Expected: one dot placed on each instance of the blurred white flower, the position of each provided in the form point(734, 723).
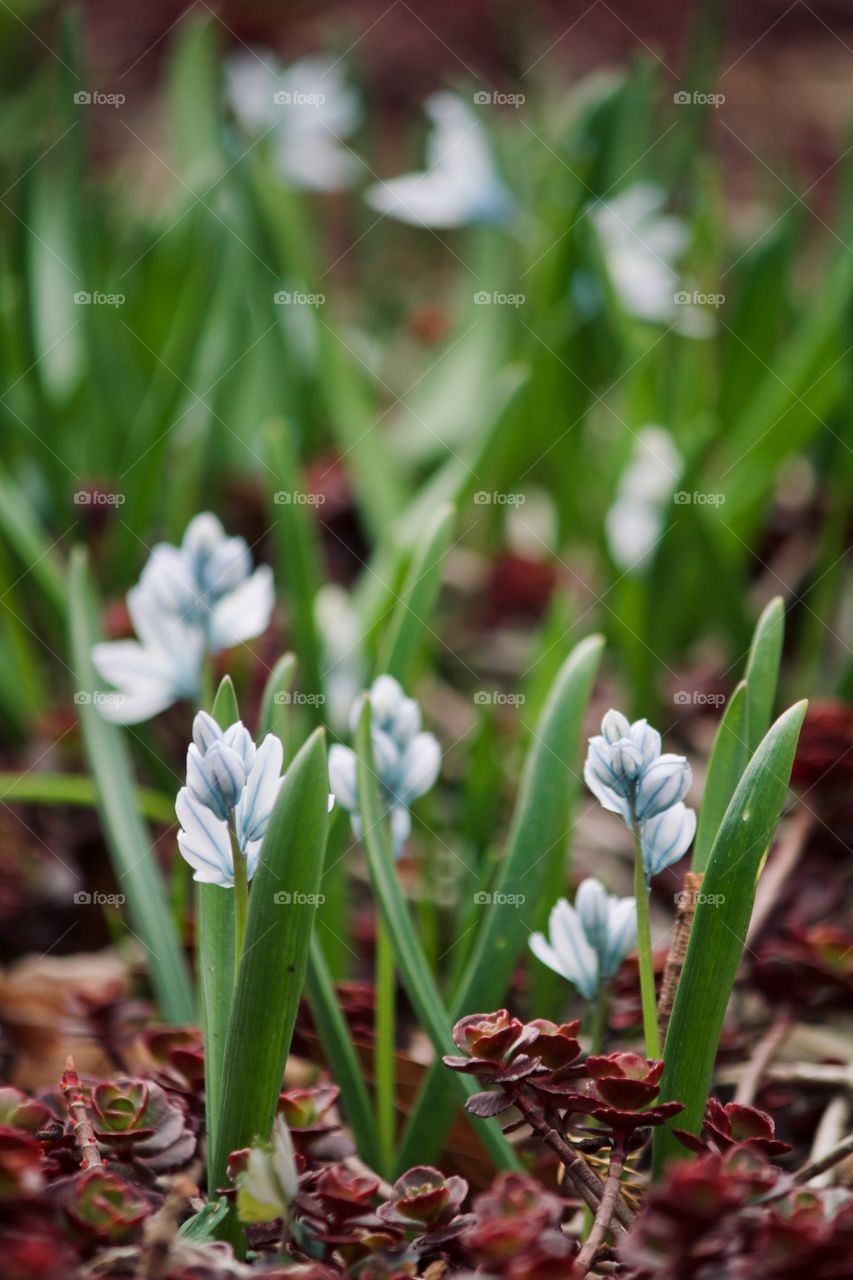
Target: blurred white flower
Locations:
point(634, 522)
point(268, 1185)
point(309, 110)
point(460, 184)
point(642, 247)
point(341, 652)
point(190, 601)
point(587, 942)
point(232, 787)
point(407, 761)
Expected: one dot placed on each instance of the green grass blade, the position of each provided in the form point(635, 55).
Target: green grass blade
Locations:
point(128, 841)
point(762, 669)
point(78, 790)
point(729, 755)
point(273, 718)
point(215, 956)
point(410, 619)
point(719, 929)
point(341, 1055)
point(275, 955)
point(299, 565)
point(408, 953)
point(537, 839)
point(22, 529)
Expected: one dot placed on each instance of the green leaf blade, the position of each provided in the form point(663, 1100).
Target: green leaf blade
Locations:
point(729, 756)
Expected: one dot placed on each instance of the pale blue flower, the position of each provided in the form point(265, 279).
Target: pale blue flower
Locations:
point(587, 942)
point(460, 184)
point(307, 109)
point(628, 775)
point(406, 760)
point(190, 601)
point(231, 790)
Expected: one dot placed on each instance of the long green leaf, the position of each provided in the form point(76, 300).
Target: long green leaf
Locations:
point(215, 957)
point(762, 669)
point(725, 769)
point(341, 1055)
point(410, 619)
point(21, 526)
point(408, 953)
point(272, 718)
point(79, 790)
point(128, 841)
point(282, 903)
point(719, 929)
point(538, 836)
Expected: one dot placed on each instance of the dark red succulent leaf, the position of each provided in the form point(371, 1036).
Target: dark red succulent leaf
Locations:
point(556, 1045)
point(309, 1110)
point(138, 1122)
point(626, 1080)
point(490, 1103)
point(344, 1195)
point(734, 1123)
point(513, 1216)
point(18, 1111)
point(103, 1207)
point(176, 1058)
point(823, 759)
point(21, 1172)
point(35, 1248)
point(810, 968)
point(425, 1197)
point(489, 1036)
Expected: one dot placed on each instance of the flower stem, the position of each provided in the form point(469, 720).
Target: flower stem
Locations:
point(644, 953)
point(384, 1015)
point(605, 1212)
point(241, 900)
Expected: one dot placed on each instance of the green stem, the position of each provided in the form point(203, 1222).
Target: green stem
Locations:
point(241, 900)
point(599, 1021)
point(384, 1046)
point(644, 953)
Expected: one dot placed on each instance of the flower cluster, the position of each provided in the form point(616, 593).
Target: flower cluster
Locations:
point(191, 601)
point(231, 791)
point(587, 942)
point(735, 1125)
point(406, 760)
point(628, 775)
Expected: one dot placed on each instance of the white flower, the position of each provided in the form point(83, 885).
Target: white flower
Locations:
point(308, 109)
point(232, 787)
point(587, 943)
point(190, 601)
point(460, 184)
point(628, 775)
point(642, 247)
point(407, 760)
point(268, 1185)
point(634, 522)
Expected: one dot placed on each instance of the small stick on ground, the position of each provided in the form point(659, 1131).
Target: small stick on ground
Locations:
point(586, 1183)
point(604, 1215)
point(687, 900)
point(75, 1102)
point(814, 1167)
point(765, 1051)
